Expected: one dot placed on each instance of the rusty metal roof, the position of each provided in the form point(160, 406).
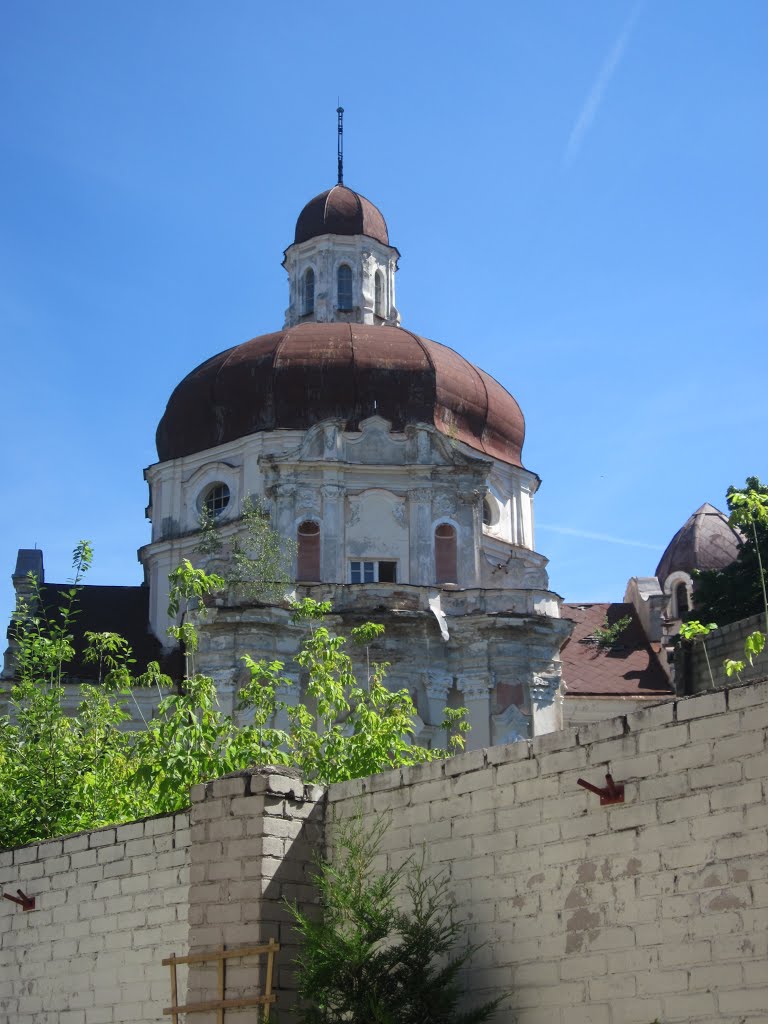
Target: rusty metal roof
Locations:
point(340, 211)
point(303, 375)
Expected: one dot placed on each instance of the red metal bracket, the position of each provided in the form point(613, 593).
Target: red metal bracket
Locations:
point(24, 901)
point(613, 793)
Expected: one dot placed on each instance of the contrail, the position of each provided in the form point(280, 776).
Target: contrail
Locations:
point(592, 103)
point(606, 537)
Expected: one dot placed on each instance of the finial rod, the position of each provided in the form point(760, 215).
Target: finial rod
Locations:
point(340, 112)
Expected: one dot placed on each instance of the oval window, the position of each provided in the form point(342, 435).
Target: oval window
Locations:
point(216, 499)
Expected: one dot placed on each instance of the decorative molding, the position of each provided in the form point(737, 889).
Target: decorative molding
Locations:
point(544, 689)
point(511, 725)
point(475, 688)
point(420, 495)
point(436, 686)
point(423, 447)
point(307, 501)
point(399, 514)
point(329, 440)
point(444, 504)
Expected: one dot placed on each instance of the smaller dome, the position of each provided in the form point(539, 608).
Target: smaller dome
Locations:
point(705, 541)
point(340, 211)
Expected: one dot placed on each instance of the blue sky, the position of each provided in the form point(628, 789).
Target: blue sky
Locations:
point(577, 190)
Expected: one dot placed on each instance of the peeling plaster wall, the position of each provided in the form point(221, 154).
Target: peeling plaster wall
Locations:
point(651, 910)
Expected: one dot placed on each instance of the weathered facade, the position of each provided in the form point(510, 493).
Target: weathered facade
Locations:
point(396, 467)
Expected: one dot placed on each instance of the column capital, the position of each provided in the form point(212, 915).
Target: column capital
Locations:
point(476, 687)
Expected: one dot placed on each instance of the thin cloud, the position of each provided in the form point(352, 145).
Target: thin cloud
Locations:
point(596, 94)
point(589, 535)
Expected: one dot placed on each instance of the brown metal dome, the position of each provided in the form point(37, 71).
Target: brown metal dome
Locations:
point(340, 211)
point(705, 541)
point(302, 375)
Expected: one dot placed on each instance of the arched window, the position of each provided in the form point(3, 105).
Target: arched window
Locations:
point(681, 600)
point(379, 300)
point(308, 554)
point(445, 554)
point(344, 281)
point(309, 291)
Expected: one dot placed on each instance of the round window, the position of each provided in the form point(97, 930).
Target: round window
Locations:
point(216, 499)
point(490, 511)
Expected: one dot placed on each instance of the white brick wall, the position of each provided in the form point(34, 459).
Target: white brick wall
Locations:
point(655, 909)
point(110, 905)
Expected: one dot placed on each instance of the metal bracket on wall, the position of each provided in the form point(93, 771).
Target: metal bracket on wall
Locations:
point(24, 901)
point(612, 793)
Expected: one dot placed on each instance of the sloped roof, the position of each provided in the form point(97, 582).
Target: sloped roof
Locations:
point(123, 610)
point(705, 541)
point(630, 669)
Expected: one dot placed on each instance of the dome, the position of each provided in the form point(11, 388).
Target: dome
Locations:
point(705, 541)
point(340, 211)
point(302, 375)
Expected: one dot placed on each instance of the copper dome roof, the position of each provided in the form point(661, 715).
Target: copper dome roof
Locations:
point(302, 375)
point(340, 211)
point(705, 541)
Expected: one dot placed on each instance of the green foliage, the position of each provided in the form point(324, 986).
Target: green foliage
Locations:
point(738, 591)
point(695, 630)
point(753, 645)
point(733, 667)
point(605, 636)
point(258, 559)
point(384, 950)
point(353, 730)
point(64, 772)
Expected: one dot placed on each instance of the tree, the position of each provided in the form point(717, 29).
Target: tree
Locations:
point(61, 773)
point(738, 591)
point(384, 950)
point(257, 559)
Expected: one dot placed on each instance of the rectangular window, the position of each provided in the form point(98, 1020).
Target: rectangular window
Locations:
point(372, 572)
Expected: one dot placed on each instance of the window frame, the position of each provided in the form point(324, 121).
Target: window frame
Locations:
point(308, 293)
point(348, 284)
point(308, 552)
point(374, 572)
point(213, 504)
point(443, 554)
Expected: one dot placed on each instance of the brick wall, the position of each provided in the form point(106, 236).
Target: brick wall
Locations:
point(655, 909)
point(109, 905)
point(726, 642)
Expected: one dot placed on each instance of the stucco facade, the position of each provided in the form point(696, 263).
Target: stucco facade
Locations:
point(415, 523)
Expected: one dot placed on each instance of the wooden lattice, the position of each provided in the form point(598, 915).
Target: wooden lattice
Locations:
point(221, 1003)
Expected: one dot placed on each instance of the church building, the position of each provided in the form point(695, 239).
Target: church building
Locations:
point(393, 463)
point(392, 468)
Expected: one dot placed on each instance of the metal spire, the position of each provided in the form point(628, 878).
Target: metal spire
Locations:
point(340, 112)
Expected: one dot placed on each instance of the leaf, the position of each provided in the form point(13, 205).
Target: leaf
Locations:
point(754, 645)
